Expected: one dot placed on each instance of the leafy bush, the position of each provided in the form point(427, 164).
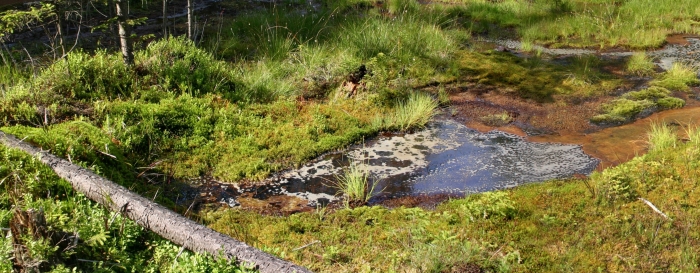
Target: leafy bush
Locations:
point(177, 64)
point(115, 243)
point(616, 184)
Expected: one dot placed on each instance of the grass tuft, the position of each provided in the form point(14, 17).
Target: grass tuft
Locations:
point(640, 64)
point(680, 77)
point(661, 137)
point(355, 185)
point(414, 112)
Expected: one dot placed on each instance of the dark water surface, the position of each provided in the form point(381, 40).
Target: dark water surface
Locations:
point(447, 157)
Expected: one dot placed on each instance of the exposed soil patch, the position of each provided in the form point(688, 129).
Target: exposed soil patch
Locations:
point(474, 104)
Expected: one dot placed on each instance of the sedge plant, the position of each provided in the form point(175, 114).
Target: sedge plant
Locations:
point(355, 184)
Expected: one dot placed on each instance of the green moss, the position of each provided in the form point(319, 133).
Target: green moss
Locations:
point(117, 242)
point(632, 103)
point(543, 227)
point(623, 110)
point(670, 103)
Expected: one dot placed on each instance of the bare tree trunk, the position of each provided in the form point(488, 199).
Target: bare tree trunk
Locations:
point(189, 20)
point(124, 34)
point(165, 18)
point(166, 223)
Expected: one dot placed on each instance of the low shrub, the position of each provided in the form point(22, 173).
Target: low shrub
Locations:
point(487, 205)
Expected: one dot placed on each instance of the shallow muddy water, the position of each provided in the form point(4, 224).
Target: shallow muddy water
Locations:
point(445, 158)
point(616, 145)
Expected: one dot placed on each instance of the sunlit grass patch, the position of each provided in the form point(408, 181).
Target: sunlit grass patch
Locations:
point(414, 113)
point(640, 64)
point(679, 77)
point(355, 184)
point(661, 137)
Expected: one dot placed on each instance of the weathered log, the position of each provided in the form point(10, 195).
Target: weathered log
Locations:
point(159, 219)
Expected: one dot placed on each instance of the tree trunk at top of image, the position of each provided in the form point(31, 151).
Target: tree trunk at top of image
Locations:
point(172, 226)
point(124, 33)
point(189, 20)
point(165, 18)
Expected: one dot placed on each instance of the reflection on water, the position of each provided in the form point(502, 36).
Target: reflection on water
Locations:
point(447, 157)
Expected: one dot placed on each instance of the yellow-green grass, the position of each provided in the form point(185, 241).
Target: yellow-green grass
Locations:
point(355, 185)
point(679, 77)
point(544, 227)
point(535, 79)
point(587, 23)
point(640, 64)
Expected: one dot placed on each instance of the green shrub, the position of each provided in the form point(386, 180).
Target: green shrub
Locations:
point(116, 243)
point(487, 205)
point(83, 76)
point(615, 184)
point(177, 64)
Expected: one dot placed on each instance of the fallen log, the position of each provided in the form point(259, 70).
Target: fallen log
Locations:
point(159, 219)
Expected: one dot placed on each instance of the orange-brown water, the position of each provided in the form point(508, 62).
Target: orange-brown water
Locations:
point(616, 145)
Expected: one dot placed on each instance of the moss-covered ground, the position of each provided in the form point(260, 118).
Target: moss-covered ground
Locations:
point(277, 85)
point(594, 224)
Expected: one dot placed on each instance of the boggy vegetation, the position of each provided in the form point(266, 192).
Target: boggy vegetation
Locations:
point(591, 224)
point(83, 237)
point(274, 87)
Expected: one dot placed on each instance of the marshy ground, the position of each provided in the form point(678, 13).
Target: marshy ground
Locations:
point(272, 86)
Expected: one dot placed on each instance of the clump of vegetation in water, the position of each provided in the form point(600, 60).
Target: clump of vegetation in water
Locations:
point(496, 120)
point(355, 185)
point(635, 103)
point(640, 64)
point(94, 239)
point(539, 227)
point(680, 77)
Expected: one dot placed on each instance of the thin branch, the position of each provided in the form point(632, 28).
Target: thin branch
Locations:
point(653, 207)
point(306, 245)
